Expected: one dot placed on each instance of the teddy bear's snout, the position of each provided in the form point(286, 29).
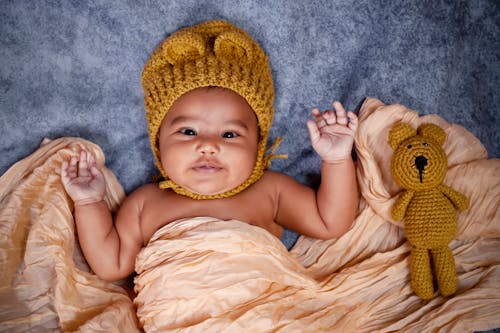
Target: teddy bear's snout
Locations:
point(420, 163)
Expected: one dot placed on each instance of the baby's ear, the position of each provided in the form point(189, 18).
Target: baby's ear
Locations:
point(399, 133)
point(433, 132)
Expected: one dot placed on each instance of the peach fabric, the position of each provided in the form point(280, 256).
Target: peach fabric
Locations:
point(207, 275)
point(45, 283)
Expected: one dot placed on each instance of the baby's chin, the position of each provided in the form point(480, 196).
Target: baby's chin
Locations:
point(211, 186)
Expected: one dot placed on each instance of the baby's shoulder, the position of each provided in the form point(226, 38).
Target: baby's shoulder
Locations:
point(282, 185)
point(149, 188)
point(146, 190)
point(270, 175)
point(277, 180)
point(269, 178)
point(144, 194)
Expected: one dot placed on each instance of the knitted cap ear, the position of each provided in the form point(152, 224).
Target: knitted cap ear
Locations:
point(233, 45)
point(433, 132)
point(184, 46)
point(399, 133)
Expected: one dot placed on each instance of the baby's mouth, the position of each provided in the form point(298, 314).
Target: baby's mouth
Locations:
point(207, 167)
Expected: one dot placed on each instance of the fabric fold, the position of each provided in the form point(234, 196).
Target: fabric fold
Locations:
point(208, 275)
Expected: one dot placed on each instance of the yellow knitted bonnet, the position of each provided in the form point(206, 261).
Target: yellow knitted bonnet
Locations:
point(214, 53)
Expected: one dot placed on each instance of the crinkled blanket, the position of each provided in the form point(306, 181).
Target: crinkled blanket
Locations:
point(207, 275)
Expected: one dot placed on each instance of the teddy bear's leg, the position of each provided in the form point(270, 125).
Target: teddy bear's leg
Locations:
point(421, 276)
point(446, 273)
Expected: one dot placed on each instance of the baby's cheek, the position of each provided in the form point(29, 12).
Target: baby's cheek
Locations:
point(246, 163)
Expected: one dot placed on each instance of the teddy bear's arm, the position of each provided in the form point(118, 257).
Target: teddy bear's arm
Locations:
point(459, 200)
point(401, 204)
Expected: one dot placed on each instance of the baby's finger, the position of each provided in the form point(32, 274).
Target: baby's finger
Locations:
point(71, 167)
point(68, 172)
point(353, 120)
point(96, 173)
point(341, 114)
point(91, 159)
point(73, 161)
point(83, 164)
point(64, 171)
point(316, 113)
point(330, 117)
point(319, 118)
point(313, 131)
point(94, 170)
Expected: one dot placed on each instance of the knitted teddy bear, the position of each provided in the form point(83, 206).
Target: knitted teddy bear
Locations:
point(419, 166)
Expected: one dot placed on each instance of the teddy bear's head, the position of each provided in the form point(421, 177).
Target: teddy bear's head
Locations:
point(419, 161)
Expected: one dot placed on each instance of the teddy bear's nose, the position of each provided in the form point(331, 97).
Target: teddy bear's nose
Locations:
point(420, 163)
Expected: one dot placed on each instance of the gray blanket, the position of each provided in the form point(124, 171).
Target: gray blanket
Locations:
point(73, 68)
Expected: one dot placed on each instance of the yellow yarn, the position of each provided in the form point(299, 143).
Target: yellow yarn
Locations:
point(419, 165)
point(214, 53)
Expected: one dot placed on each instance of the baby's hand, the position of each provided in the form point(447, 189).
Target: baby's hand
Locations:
point(82, 180)
point(332, 133)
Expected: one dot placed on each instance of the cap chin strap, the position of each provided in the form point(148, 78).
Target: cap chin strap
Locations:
point(271, 156)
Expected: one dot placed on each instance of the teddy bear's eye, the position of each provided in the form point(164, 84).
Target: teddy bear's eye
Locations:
point(409, 146)
point(426, 144)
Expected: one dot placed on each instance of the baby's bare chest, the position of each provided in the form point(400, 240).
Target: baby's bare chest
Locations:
point(257, 210)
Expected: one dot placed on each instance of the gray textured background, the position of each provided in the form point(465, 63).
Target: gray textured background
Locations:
point(73, 68)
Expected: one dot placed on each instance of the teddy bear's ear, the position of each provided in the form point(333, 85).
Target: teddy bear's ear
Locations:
point(433, 132)
point(399, 133)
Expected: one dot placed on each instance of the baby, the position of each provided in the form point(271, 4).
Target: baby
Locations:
point(209, 105)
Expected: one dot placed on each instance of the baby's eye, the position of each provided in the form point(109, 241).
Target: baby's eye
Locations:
point(426, 144)
point(409, 146)
point(229, 135)
point(188, 131)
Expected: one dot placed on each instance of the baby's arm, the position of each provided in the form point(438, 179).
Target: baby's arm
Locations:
point(330, 212)
point(332, 136)
point(109, 250)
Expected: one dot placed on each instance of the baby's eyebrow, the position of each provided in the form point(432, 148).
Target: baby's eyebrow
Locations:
point(180, 119)
point(237, 122)
point(234, 122)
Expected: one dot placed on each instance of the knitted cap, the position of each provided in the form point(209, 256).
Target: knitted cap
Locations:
point(214, 53)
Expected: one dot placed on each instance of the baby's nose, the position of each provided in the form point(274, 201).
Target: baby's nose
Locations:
point(208, 147)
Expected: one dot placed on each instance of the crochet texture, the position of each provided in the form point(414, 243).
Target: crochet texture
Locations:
point(419, 166)
point(214, 53)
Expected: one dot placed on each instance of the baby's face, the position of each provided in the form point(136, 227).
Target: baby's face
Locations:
point(208, 141)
